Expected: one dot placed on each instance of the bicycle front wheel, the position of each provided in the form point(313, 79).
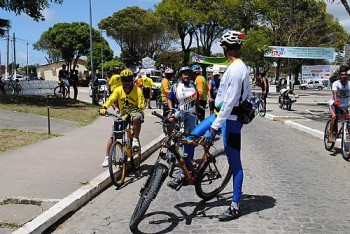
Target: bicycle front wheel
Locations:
point(327, 131)
point(345, 141)
point(9, 89)
point(115, 161)
point(148, 193)
point(262, 108)
point(60, 92)
point(213, 176)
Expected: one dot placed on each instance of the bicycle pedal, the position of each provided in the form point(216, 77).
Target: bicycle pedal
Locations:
point(179, 186)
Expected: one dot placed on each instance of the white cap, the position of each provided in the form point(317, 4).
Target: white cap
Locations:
point(216, 73)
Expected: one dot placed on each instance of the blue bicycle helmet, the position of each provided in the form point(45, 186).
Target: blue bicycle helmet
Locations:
point(196, 68)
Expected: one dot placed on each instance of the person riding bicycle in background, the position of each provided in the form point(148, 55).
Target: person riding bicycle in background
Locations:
point(227, 101)
point(288, 93)
point(202, 87)
point(114, 81)
point(63, 76)
point(340, 97)
point(165, 88)
point(147, 84)
point(264, 86)
point(182, 101)
point(126, 97)
point(213, 86)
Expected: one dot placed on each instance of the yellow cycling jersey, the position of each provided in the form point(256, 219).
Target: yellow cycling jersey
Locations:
point(147, 82)
point(126, 101)
point(114, 82)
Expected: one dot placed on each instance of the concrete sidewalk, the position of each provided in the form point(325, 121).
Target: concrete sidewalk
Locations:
point(59, 175)
point(40, 177)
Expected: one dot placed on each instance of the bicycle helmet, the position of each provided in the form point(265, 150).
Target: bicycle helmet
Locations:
point(126, 75)
point(185, 69)
point(232, 38)
point(169, 71)
point(196, 68)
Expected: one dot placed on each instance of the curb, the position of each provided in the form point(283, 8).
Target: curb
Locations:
point(80, 197)
point(300, 127)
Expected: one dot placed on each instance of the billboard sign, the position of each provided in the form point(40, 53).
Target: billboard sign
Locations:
point(318, 72)
point(300, 52)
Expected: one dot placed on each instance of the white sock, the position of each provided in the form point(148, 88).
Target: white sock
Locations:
point(235, 205)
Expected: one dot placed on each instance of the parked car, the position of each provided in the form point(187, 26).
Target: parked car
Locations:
point(18, 77)
point(102, 85)
point(314, 84)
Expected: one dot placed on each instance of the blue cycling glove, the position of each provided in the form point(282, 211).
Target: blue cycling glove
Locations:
point(209, 136)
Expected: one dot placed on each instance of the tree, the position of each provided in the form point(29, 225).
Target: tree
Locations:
point(33, 8)
point(70, 41)
point(4, 25)
point(179, 16)
point(138, 32)
point(171, 59)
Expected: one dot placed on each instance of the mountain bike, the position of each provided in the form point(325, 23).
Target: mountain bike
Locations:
point(121, 152)
point(13, 87)
point(259, 105)
point(61, 90)
point(210, 176)
point(341, 131)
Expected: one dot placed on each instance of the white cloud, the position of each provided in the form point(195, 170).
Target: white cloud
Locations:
point(49, 14)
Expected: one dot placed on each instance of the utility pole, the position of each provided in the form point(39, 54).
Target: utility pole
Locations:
point(27, 62)
point(93, 88)
point(291, 23)
point(14, 55)
point(7, 53)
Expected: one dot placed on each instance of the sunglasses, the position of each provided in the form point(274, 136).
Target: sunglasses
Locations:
point(127, 79)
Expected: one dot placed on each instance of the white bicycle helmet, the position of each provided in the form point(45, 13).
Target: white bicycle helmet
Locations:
point(232, 38)
point(169, 71)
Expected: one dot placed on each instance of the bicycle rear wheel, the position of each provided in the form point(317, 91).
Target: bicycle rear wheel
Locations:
point(213, 176)
point(148, 193)
point(262, 108)
point(327, 144)
point(115, 161)
point(345, 141)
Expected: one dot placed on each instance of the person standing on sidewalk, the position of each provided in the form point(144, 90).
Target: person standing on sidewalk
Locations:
point(340, 97)
point(235, 79)
point(74, 82)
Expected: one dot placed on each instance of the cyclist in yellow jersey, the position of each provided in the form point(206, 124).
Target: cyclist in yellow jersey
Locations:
point(126, 96)
point(202, 87)
point(147, 83)
point(114, 81)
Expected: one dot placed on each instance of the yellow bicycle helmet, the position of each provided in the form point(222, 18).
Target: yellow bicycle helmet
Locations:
point(126, 73)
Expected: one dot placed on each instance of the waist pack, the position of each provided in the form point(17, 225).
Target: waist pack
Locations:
point(244, 111)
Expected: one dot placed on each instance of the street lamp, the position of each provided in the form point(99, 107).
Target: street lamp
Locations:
point(93, 88)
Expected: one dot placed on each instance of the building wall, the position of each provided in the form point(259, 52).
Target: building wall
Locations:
point(50, 71)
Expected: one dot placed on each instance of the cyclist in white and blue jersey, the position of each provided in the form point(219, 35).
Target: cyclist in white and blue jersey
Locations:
point(182, 102)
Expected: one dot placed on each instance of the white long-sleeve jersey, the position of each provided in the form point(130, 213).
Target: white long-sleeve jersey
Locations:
point(229, 91)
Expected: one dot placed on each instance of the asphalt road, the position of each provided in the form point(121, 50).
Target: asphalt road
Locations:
point(291, 185)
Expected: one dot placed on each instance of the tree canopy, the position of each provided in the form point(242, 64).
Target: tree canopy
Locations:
point(138, 32)
point(70, 41)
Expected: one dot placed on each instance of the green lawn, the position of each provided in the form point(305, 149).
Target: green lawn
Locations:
point(67, 109)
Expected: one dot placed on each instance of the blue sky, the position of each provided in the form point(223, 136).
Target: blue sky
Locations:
point(29, 31)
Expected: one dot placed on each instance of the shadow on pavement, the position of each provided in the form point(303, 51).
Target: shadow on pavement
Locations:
point(134, 176)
